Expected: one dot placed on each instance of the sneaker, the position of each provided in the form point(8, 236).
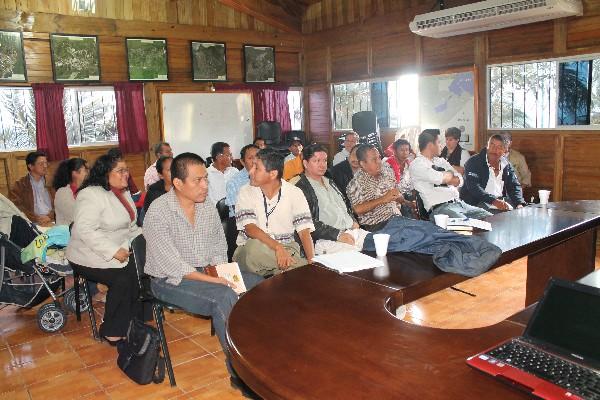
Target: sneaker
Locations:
point(239, 384)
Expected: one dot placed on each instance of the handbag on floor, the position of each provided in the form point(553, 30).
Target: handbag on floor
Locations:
point(139, 354)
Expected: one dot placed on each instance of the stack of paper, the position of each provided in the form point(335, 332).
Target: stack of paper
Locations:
point(475, 223)
point(348, 261)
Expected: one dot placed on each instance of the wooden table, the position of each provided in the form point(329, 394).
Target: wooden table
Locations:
point(559, 240)
point(312, 333)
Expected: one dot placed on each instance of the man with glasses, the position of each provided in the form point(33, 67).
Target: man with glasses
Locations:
point(30, 193)
point(220, 171)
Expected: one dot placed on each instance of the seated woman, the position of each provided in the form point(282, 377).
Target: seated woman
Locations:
point(68, 178)
point(163, 185)
point(104, 226)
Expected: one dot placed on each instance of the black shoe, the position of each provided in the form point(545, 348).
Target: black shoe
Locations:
point(239, 384)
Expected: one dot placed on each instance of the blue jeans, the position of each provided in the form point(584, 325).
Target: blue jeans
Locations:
point(204, 298)
point(459, 209)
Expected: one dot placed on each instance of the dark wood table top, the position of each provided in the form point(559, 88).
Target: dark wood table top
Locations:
point(312, 333)
point(518, 233)
point(591, 206)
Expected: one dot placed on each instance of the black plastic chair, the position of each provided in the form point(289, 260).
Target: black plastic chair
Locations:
point(229, 227)
point(423, 213)
point(138, 249)
point(81, 281)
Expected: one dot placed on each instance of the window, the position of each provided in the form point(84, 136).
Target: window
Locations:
point(17, 119)
point(544, 94)
point(403, 101)
point(296, 111)
point(350, 98)
point(90, 115)
point(86, 6)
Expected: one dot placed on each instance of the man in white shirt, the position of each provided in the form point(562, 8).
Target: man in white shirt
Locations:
point(161, 149)
point(518, 162)
point(220, 171)
point(350, 140)
point(269, 212)
point(437, 182)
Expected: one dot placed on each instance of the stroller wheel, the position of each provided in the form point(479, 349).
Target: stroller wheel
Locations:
point(51, 318)
point(69, 301)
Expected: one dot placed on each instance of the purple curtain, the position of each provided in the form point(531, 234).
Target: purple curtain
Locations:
point(270, 102)
point(51, 134)
point(131, 117)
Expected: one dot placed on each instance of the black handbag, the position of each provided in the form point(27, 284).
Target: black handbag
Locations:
point(139, 354)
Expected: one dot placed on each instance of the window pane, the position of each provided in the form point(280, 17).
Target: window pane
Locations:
point(522, 96)
point(595, 106)
point(90, 116)
point(403, 101)
point(17, 119)
point(350, 98)
point(295, 105)
point(574, 93)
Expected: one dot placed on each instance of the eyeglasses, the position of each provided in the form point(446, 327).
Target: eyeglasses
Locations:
point(226, 155)
point(121, 171)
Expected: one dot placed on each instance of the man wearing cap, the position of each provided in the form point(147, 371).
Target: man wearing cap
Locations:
point(293, 162)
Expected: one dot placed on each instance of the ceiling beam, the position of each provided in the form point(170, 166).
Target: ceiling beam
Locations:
point(268, 13)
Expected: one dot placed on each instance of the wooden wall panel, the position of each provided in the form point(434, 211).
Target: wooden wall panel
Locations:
point(394, 54)
point(448, 52)
point(583, 32)
point(287, 68)
point(349, 61)
point(581, 173)
point(319, 114)
point(315, 62)
point(524, 40)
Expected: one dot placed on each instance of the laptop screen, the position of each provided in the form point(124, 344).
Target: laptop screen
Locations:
point(568, 317)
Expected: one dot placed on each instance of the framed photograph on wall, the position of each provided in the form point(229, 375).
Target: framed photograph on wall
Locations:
point(147, 59)
point(259, 63)
point(12, 57)
point(209, 61)
point(75, 58)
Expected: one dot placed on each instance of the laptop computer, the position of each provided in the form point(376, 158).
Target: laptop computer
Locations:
point(558, 356)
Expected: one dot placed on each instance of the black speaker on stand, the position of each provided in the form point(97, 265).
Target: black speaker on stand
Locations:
point(365, 124)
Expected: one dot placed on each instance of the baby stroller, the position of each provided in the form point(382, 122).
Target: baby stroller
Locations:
point(27, 284)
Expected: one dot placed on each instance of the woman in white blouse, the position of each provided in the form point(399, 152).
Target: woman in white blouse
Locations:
point(104, 226)
point(68, 178)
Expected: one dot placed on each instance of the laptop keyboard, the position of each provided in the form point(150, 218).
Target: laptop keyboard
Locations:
point(562, 373)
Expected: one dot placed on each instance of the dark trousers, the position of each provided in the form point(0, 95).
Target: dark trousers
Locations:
point(121, 299)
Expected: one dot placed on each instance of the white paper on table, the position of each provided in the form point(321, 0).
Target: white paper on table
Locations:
point(475, 223)
point(231, 272)
point(348, 261)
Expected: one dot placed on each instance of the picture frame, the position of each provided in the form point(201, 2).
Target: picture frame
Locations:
point(12, 67)
point(147, 59)
point(75, 58)
point(209, 61)
point(259, 64)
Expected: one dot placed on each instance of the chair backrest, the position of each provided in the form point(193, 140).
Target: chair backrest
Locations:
point(270, 131)
point(423, 214)
point(223, 210)
point(364, 123)
point(138, 250)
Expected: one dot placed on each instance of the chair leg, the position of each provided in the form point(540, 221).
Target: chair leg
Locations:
point(157, 309)
point(91, 312)
point(212, 328)
point(76, 288)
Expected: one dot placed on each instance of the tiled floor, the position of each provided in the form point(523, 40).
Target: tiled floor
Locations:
point(71, 365)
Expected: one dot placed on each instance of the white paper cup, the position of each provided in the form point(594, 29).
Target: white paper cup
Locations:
point(381, 243)
point(544, 196)
point(441, 220)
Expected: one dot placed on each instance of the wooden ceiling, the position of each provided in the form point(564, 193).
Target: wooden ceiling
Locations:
point(283, 14)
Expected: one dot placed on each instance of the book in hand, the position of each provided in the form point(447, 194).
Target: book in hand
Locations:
point(231, 272)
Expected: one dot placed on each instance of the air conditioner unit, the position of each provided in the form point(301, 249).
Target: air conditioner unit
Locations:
point(491, 14)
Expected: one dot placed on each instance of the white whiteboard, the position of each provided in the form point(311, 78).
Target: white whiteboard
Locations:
point(449, 100)
point(194, 121)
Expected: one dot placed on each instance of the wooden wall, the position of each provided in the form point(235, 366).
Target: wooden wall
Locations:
point(178, 21)
point(381, 46)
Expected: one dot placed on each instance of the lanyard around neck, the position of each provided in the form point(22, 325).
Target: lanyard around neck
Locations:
point(267, 211)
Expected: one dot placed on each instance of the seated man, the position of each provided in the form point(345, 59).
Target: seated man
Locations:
point(292, 164)
point(220, 171)
point(268, 211)
point(399, 162)
point(518, 162)
point(162, 149)
point(247, 158)
point(260, 143)
point(30, 193)
point(436, 181)
point(350, 140)
point(184, 234)
point(490, 181)
point(343, 173)
point(453, 152)
point(372, 192)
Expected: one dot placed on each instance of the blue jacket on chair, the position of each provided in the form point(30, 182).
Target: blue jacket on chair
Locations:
point(476, 178)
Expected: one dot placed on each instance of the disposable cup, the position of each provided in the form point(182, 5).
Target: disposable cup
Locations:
point(441, 220)
point(544, 196)
point(381, 243)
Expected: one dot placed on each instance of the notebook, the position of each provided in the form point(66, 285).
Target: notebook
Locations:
point(558, 356)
